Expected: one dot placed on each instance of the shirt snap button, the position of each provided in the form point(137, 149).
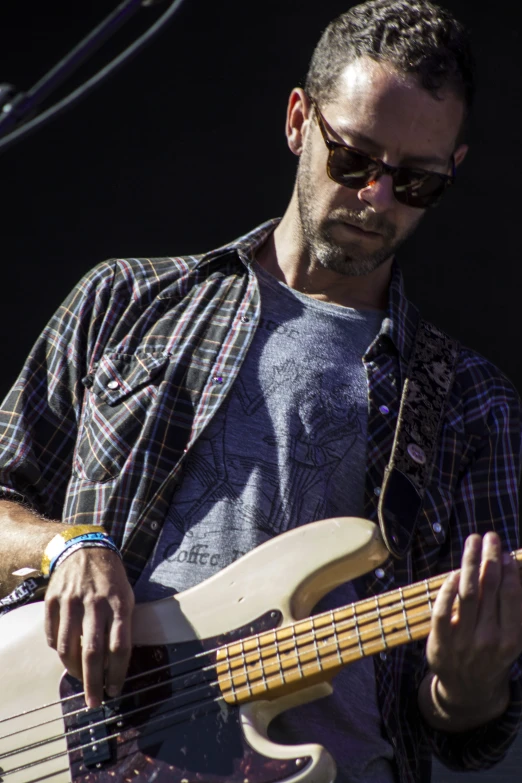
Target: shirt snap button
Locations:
point(379, 573)
point(384, 409)
point(437, 527)
point(113, 385)
point(377, 491)
point(416, 453)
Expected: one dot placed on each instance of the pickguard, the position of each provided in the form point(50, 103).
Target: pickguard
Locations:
point(170, 724)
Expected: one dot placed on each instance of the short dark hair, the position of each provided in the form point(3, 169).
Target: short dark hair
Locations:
point(415, 36)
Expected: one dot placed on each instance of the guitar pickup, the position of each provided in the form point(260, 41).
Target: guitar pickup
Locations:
point(93, 738)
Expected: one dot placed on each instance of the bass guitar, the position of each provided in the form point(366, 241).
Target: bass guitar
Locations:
point(210, 668)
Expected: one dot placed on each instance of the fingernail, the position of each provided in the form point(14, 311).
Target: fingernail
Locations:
point(506, 558)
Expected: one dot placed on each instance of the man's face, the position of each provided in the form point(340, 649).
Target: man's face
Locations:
point(386, 115)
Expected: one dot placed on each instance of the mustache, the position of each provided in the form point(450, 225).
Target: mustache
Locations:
point(366, 221)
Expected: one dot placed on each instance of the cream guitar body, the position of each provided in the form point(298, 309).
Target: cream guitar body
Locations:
point(211, 667)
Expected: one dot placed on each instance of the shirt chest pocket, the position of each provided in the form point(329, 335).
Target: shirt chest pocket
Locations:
point(120, 395)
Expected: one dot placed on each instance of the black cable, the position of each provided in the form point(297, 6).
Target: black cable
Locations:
point(91, 83)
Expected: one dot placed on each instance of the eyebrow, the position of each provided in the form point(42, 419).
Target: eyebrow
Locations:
point(361, 138)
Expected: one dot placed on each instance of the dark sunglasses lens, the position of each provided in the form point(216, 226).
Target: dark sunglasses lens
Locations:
point(419, 188)
point(411, 187)
point(350, 168)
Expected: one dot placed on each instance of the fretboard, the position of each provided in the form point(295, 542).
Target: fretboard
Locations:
point(315, 649)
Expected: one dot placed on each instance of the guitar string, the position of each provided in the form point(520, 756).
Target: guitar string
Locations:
point(366, 616)
point(277, 677)
point(106, 721)
point(306, 637)
point(220, 699)
point(161, 718)
point(89, 745)
point(177, 695)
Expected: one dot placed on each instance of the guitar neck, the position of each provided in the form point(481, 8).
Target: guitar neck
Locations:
point(313, 650)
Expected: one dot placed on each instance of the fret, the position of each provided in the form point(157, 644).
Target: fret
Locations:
point(381, 626)
point(404, 614)
point(279, 663)
point(298, 657)
point(316, 647)
point(357, 630)
point(245, 670)
point(336, 636)
point(229, 678)
point(428, 594)
point(270, 660)
point(260, 653)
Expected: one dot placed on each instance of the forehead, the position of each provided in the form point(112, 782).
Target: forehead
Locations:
point(394, 111)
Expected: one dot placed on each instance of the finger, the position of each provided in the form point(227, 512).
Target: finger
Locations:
point(489, 585)
point(469, 586)
point(94, 651)
point(68, 637)
point(119, 654)
point(510, 605)
point(52, 621)
point(443, 609)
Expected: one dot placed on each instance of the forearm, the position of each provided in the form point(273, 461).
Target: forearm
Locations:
point(445, 714)
point(23, 538)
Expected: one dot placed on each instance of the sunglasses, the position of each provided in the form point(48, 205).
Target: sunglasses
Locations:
point(349, 167)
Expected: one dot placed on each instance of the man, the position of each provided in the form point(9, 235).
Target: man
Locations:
point(196, 407)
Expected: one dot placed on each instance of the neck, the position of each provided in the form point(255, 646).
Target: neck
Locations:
point(316, 649)
point(285, 255)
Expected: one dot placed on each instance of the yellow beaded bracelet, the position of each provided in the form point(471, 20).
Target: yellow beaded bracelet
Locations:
point(58, 543)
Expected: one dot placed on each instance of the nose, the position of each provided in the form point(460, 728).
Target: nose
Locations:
point(378, 194)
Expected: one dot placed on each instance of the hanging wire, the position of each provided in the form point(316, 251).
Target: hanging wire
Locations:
point(84, 89)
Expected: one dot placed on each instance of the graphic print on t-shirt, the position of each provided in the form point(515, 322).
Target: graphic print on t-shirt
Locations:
point(287, 446)
point(316, 440)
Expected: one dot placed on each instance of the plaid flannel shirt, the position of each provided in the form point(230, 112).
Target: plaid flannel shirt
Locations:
point(131, 369)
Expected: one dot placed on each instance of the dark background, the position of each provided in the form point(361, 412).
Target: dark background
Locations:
point(184, 149)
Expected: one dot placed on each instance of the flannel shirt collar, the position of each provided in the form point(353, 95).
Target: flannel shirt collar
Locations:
point(246, 245)
point(400, 323)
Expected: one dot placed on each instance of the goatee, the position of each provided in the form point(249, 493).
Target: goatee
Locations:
point(346, 257)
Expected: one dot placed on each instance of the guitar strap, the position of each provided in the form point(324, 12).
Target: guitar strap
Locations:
point(429, 379)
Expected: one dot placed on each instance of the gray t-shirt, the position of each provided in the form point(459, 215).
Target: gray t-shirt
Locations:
point(287, 447)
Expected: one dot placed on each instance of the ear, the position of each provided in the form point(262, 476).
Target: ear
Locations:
point(460, 154)
point(297, 116)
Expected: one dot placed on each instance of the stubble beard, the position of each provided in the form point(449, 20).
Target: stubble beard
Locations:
point(350, 258)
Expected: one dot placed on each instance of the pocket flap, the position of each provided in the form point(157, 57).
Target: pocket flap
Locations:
point(118, 375)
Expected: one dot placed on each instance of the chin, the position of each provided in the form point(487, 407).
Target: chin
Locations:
point(350, 264)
